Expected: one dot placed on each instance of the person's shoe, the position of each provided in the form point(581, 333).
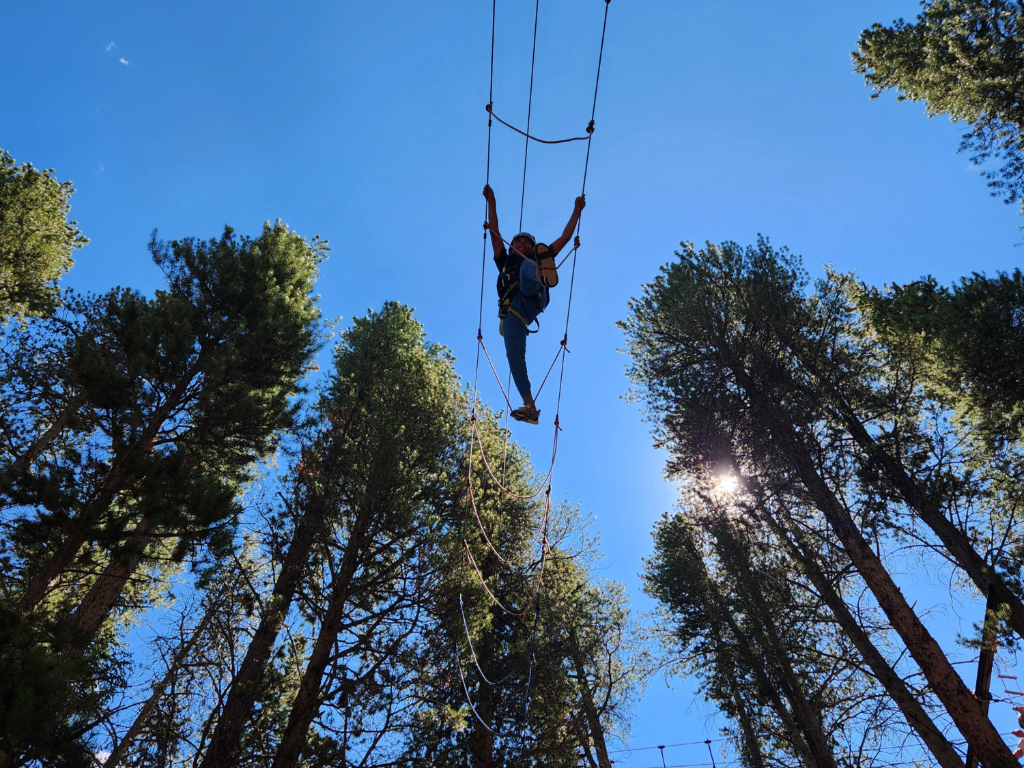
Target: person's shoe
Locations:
point(546, 269)
point(527, 413)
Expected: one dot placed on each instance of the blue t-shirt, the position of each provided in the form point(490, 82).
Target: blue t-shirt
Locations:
point(531, 290)
point(532, 297)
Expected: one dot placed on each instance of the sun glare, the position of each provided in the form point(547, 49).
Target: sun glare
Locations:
point(728, 484)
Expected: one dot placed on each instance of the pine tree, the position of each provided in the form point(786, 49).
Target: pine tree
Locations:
point(368, 494)
point(965, 59)
point(166, 407)
point(741, 366)
point(36, 239)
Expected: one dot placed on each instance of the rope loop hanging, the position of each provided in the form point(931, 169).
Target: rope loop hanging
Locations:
point(590, 130)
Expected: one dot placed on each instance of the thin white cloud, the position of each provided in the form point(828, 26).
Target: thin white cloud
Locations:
point(123, 61)
point(111, 46)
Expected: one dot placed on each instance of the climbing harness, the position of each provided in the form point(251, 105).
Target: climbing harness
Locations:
point(508, 284)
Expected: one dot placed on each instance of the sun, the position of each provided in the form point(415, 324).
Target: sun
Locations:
point(728, 484)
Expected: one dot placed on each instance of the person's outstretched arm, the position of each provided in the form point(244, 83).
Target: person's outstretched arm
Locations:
point(559, 244)
point(497, 244)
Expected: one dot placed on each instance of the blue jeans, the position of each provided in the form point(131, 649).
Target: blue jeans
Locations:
point(514, 332)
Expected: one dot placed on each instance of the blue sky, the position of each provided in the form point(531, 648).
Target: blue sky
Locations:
point(365, 123)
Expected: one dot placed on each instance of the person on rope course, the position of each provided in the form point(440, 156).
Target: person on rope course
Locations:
point(524, 278)
point(1019, 751)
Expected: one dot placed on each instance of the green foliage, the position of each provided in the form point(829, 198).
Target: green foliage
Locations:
point(41, 703)
point(835, 432)
point(576, 646)
point(382, 473)
point(140, 487)
point(36, 239)
point(143, 425)
point(964, 58)
point(971, 336)
point(738, 615)
point(181, 394)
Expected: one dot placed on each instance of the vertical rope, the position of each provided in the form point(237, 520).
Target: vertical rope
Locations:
point(579, 224)
point(572, 281)
point(504, 453)
point(483, 259)
point(597, 82)
point(529, 112)
point(708, 742)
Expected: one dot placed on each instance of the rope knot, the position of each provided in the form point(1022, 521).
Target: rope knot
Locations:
point(590, 128)
point(479, 334)
point(576, 242)
point(489, 105)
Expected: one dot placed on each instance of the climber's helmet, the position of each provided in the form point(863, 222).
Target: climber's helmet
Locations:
point(523, 243)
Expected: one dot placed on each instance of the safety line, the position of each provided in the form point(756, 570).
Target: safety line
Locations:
point(521, 497)
point(579, 222)
point(563, 349)
point(529, 112)
point(597, 82)
point(490, 87)
point(481, 345)
point(536, 589)
point(526, 551)
point(663, 746)
point(469, 700)
point(504, 393)
point(529, 681)
point(476, 663)
point(574, 253)
point(483, 259)
point(490, 109)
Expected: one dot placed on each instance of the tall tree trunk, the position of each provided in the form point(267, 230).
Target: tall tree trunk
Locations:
point(98, 602)
point(481, 740)
point(22, 463)
point(985, 577)
point(307, 699)
point(805, 712)
point(750, 739)
point(182, 654)
point(916, 715)
point(225, 744)
point(46, 576)
point(754, 661)
point(590, 712)
point(962, 707)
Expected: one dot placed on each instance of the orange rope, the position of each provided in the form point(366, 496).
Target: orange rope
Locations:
point(521, 615)
point(535, 494)
point(561, 349)
point(529, 546)
point(480, 341)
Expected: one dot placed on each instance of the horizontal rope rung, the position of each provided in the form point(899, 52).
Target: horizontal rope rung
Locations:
point(590, 131)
